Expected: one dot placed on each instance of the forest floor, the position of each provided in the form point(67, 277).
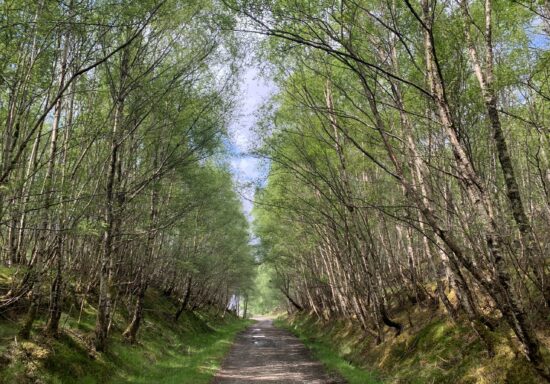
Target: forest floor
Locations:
point(187, 351)
point(266, 354)
point(431, 350)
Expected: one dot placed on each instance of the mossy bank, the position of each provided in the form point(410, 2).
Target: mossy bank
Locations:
point(187, 351)
point(432, 351)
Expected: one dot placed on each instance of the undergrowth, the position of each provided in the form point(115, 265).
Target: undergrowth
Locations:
point(187, 351)
point(433, 351)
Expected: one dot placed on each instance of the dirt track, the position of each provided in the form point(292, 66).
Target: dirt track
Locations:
point(265, 354)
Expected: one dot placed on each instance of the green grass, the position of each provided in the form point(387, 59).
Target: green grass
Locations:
point(190, 358)
point(189, 351)
point(330, 354)
point(434, 351)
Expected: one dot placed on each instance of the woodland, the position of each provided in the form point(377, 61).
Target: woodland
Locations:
point(408, 169)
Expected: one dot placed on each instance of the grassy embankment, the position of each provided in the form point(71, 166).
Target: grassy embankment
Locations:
point(433, 350)
point(188, 351)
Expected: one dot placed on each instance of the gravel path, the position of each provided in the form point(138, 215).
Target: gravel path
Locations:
point(265, 354)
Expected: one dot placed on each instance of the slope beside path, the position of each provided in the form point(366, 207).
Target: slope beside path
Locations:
point(266, 354)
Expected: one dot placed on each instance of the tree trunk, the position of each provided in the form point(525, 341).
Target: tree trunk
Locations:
point(56, 295)
point(292, 301)
point(185, 301)
point(25, 332)
point(131, 331)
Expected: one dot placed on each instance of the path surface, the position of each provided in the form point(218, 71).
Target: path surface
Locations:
point(264, 354)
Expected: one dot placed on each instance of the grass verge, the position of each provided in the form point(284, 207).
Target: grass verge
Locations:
point(189, 351)
point(333, 356)
point(433, 351)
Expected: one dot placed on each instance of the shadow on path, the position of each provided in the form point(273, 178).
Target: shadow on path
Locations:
point(265, 354)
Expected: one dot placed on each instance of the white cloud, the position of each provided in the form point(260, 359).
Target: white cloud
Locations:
point(248, 170)
point(255, 90)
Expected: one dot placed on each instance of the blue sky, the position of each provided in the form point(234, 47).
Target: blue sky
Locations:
point(247, 170)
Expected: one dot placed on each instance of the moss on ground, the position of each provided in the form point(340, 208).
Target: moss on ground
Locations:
point(434, 351)
point(189, 351)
